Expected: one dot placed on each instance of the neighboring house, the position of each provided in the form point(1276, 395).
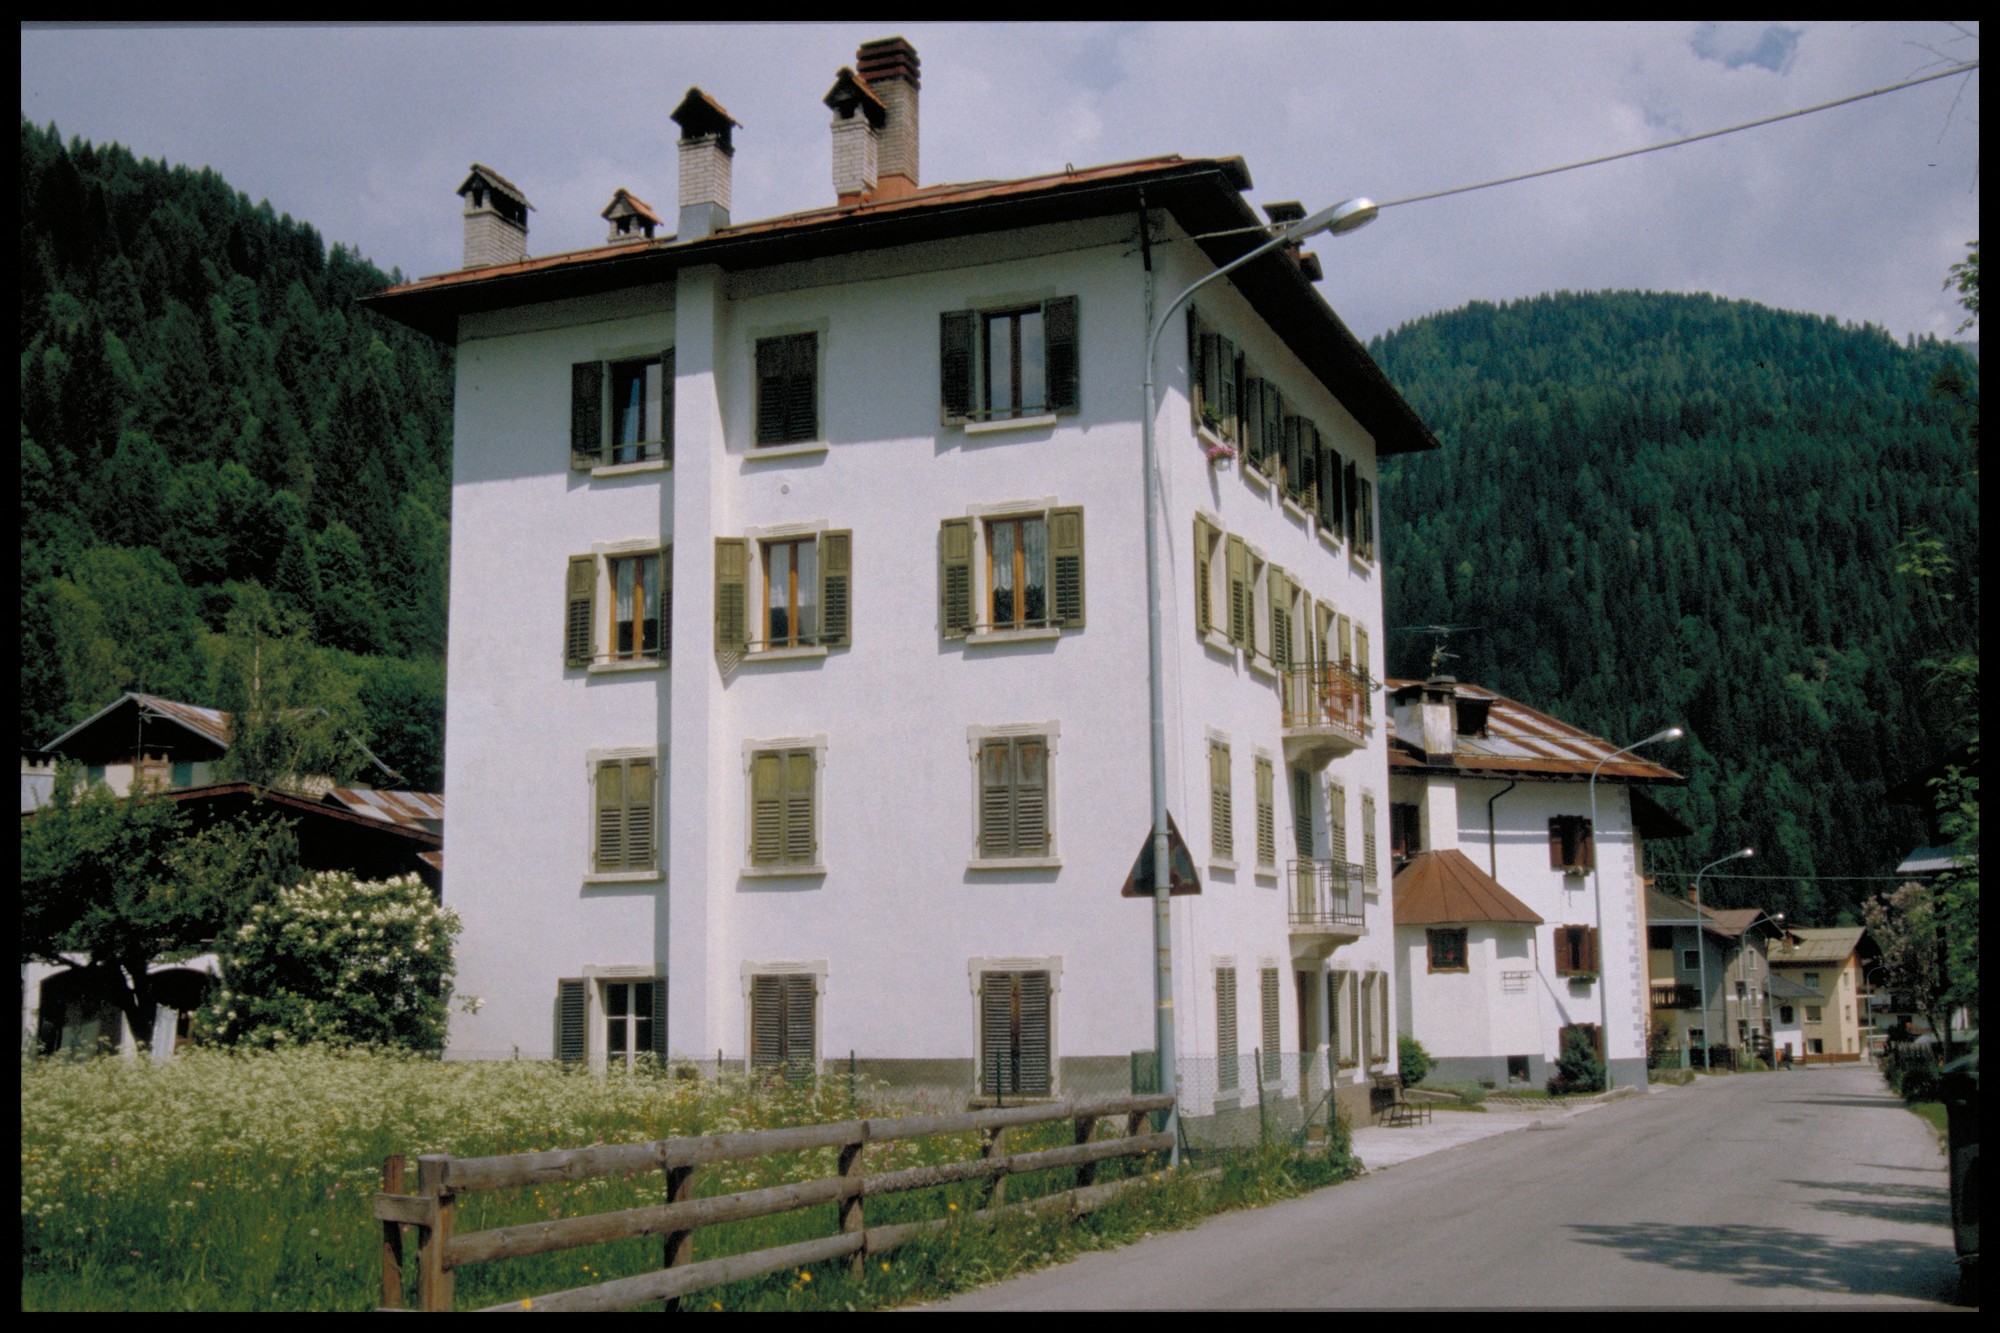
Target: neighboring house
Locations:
point(38, 779)
point(799, 641)
point(1827, 969)
point(1503, 946)
point(1728, 949)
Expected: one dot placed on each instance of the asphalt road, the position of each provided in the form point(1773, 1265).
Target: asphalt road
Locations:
point(1805, 1188)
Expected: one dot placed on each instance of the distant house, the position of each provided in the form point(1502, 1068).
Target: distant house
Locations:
point(1826, 966)
point(1711, 978)
point(1503, 947)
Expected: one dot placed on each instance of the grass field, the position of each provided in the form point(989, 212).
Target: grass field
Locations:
point(223, 1181)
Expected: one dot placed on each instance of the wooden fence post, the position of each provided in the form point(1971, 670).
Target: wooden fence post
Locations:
point(679, 1244)
point(1086, 1173)
point(995, 1146)
point(392, 1237)
point(434, 1280)
point(851, 1222)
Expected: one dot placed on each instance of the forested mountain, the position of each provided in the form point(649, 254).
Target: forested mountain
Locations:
point(1663, 509)
point(216, 442)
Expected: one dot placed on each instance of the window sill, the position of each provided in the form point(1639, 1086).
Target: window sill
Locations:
point(1332, 539)
point(1268, 872)
point(781, 872)
point(1298, 511)
point(1261, 665)
point(1222, 643)
point(1365, 561)
point(1039, 421)
point(1015, 863)
point(981, 637)
point(626, 469)
point(1226, 867)
point(623, 877)
point(613, 668)
point(1213, 440)
point(784, 654)
point(801, 449)
point(1257, 478)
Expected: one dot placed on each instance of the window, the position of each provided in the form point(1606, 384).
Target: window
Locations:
point(1032, 566)
point(1267, 813)
point(784, 795)
point(621, 411)
point(804, 583)
point(1019, 361)
point(1222, 838)
point(1785, 1012)
point(1014, 1034)
point(1660, 937)
point(1381, 989)
point(624, 805)
point(1263, 426)
point(1572, 849)
point(783, 1020)
point(1361, 494)
point(619, 607)
point(1013, 796)
point(1273, 1056)
point(1447, 947)
point(1690, 960)
point(613, 1019)
point(1226, 1073)
point(787, 389)
point(1813, 1013)
point(1215, 377)
point(1406, 837)
point(1302, 814)
point(1318, 453)
point(1368, 848)
point(1811, 979)
point(1576, 951)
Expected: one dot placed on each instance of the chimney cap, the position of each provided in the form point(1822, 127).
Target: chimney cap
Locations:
point(701, 116)
point(494, 181)
point(1291, 210)
point(626, 204)
point(887, 58)
point(850, 91)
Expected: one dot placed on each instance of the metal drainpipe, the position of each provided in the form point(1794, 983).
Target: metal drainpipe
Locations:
point(1492, 855)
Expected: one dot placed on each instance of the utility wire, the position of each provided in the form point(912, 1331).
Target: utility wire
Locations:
point(1689, 874)
point(1965, 68)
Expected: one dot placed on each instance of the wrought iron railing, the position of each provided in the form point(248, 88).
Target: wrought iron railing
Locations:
point(1676, 996)
point(1326, 894)
point(1325, 694)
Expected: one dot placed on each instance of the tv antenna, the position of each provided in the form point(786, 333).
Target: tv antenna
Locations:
point(1440, 636)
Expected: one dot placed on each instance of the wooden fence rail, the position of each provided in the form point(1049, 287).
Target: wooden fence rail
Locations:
point(441, 1179)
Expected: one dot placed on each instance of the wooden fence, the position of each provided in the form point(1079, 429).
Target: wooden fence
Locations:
point(441, 1179)
point(1831, 1058)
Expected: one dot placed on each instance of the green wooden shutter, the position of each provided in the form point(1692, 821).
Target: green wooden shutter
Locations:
point(836, 583)
point(1064, 354)
point(1014, 1033)
point(1194, 363)
point(667, 405)
point(586, 414)
point(802, 387)
point(1032, 1030)
point(1273, 1056)
point(1281, 619)
point(580, 606)
point(996, 792)
point(1031, 796)
point(1204, 561)
point(1227, 406)
point(1302, 815)
point(1267, 817)
point(610, 830)
point(767, 808)
point(1350, 478)
point(732, 593)
point(1273, 443)
point(1222, 832)
point(1336, 822)
point(1290, 446)
point(801, 847)
point(767, 1022)
point(1240, 604)
point(800, 1058)
point(1226, 1073)
point(1369, 1055)
point(1333, 1015)
point(572, 1040)
point(1364, 539)
point(641, 800)
point(955, 576)
point(955, 329)
point(1066, 559)
point(1329, 485)
point(659, 1046)
point(1361, 665)
point(1368, 876)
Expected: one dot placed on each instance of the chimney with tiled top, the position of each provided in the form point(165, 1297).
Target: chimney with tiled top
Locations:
point(1440, 718)
point(496, 219)
point(706, 151)
point(631, 218)
point(858, 117)
point(889, 68)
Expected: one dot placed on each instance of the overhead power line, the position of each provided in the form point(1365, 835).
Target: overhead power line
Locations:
point(1965, 68)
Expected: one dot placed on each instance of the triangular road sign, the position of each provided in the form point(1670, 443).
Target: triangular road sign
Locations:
point(1181, 876)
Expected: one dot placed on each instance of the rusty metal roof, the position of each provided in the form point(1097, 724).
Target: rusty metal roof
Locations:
point(211, 724)
point(1436, 888)
point(1817, 946)
point(415, 808)
point(1517, 739)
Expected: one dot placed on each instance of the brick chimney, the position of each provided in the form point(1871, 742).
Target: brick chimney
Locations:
point(705, 165)
point(496, 219)
point(889, 68)
point(858, 117)
point(1440, 718)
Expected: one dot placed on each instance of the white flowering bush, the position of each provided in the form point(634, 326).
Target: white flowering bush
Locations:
point(338, 960)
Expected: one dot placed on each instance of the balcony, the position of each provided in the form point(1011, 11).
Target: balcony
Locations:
point(1325, 909)
point(1325, 710)
point(1675, 995)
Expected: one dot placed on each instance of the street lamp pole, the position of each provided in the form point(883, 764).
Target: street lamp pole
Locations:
point(1701, 948)
point(1597, 892)
point(1337, 220)
point(1778, 921)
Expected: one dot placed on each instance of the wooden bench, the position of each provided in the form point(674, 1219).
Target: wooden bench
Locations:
point(1392, 1108)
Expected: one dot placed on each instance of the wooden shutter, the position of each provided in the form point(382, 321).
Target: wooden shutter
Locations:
point(1239, 592)
point(1361, 658)
point(1031, 796)
point(1229, 409)
point(1225, 1029)
point(586, 414)
point(610, 810)
point(641, 799)
point(1194, 364)
point(1014, 1031)
point(667, 408)
point(1302, 820)
point(1556, 842)
point(955, 329)
point(996, 798)
point(836, 587)
point(1382, 1046)
point(1267, 814)
point(1368, 837)
point(1063, 364)
point(801, 846)
point(1586, 843)
point(1336, 822)
point(1290, 447)
point(1013, 797)
point(1369, 1055)
point(787, 388)
point(1350, 477)
point(666, 603)
point(1364, 538)
point(659, 1046)
point(1204, 561)
point(1281, 619)
point(1222, 836)
point(1273, 443)
point(767, 1022)
point(800, 1057)
point(767, 808)
point(955, 577)
point(1590, 963)
point(579, 608)
point(732, 593)
point(1066, 566)
point(572, 1039)
point(1273, 1058)
point(1328, 462)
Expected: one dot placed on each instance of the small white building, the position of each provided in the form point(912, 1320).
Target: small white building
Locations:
point(799, 638)
point(1504, 941)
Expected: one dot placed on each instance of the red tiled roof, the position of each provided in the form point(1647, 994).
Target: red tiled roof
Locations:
point(1520, 739)
point(1434, 888)
point(638, 205)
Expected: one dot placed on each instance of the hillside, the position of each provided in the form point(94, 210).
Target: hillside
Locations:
point(1664, 509)
point(214, 436)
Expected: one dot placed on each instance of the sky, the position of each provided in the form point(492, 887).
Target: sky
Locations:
point(1856, 212)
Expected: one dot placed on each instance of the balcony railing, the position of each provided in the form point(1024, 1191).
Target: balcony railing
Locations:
point(1325, 706)
point(1326, 899)
point(1675, 995)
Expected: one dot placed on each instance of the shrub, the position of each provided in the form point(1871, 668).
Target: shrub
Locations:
point(1913, 1072)
point(1412, 1060)
point(1577, 1069)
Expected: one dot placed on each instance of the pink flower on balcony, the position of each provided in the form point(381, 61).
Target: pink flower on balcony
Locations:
point(1219, 453)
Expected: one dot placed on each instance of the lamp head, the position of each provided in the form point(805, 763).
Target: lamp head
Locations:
point(1350, 215)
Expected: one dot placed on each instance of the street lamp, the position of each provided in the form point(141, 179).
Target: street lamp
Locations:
point(1597, 892)
point(1341, 218)
point(1701, 947)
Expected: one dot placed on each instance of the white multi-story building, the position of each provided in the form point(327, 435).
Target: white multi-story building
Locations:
point(1517, 918)
point(798, 692)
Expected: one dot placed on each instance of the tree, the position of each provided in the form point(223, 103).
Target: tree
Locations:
point(296, 714)
point(1906, 926)
point(338, 960)
point(1965, 277)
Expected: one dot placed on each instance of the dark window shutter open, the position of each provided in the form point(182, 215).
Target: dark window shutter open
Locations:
point(1281, 619)
point(1066, 559)
point(955, 577)
point(955, 364)
point(571, 1039)
point(1329, 486)
point(1240, 604)
point(1064, 357)
point(582, 594)
point(767, 1022)
point(586, 414)
point(1273, 1056)
point(836, 587)
point(1204, 596)
point(660, 1019)
point(1226, 1073)
point(667, 405)
point(1194, 363)
point(1034, 1032)
point(787, 390)
point(731, 593)
point(800, 1058)
point(1350, 481)
point(1364, 539)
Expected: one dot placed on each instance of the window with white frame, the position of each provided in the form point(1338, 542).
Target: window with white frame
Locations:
point(783, 589)
point(1015, 360)
point(783, 1005)
point(785, 779)
point(1016, 1031)
point(1014, 787)
point(622, 411)
point(1009, 568)
point(624, 840)
point(619, 606)
point(611, 1016)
